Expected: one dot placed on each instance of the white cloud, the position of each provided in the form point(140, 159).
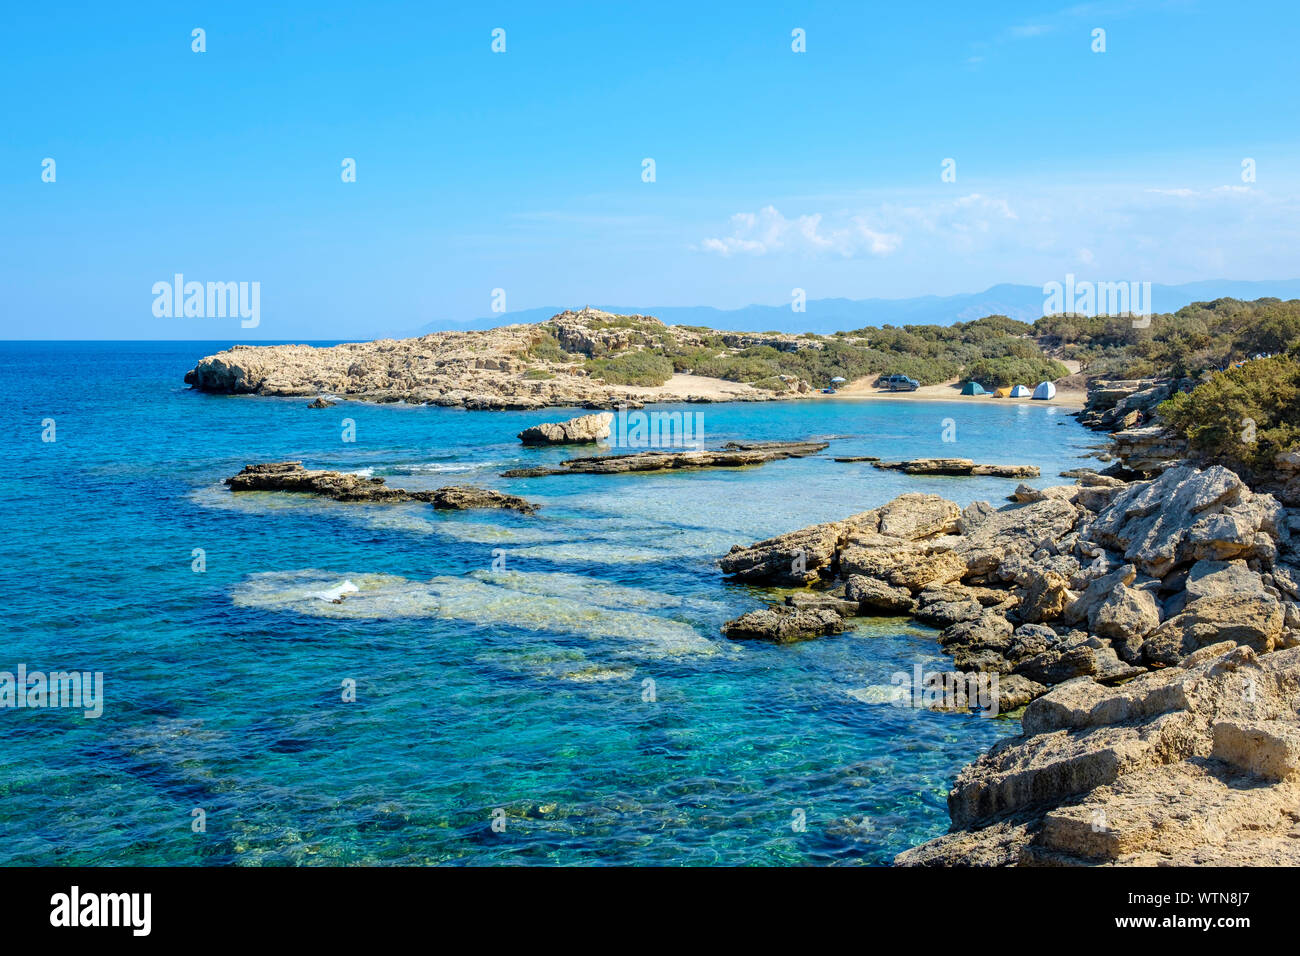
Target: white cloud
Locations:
point(876, 232)
point(1018, 232)
point(768, 231)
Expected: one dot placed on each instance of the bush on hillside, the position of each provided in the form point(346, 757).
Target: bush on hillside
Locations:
point(1013, 370)
point(632, 368)
point(1242, 417)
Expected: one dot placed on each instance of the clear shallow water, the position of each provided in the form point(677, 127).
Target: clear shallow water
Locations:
point(519, 690)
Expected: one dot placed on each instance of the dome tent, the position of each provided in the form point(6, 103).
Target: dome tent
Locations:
point(1020, 391)
point(973, 388)
point(1004, 392)
point(1045, 390)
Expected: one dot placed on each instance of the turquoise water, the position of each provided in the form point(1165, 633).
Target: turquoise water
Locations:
point(520, 691)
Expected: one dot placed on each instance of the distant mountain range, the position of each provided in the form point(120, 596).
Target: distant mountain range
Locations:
point(1024, 302)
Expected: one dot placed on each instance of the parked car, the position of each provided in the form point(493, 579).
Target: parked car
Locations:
point(900, 383)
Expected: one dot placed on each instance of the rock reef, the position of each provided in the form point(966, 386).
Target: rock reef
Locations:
point(731, 455)
point(957, 467)
point(292, 477)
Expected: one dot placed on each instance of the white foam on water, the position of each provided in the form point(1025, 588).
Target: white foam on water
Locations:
point(336, 593)
point(437, 467)
point(377, 596)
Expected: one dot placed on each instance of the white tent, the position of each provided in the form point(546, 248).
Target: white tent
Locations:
point(1020, 391)
point(1045, 390)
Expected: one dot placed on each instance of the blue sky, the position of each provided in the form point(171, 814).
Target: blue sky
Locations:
point(523, 170)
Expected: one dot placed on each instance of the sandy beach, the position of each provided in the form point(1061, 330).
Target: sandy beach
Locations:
point(951, 392)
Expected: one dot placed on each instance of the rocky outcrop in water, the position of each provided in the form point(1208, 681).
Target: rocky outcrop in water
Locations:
point(957, 467)
point(290, 476)
point(585, 429)
point(784, 625)
point(731, 455)
point(1116, 611)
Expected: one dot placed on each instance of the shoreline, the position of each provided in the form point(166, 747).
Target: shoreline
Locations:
point(1073, 399)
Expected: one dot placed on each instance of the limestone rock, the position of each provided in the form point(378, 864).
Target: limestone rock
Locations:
point(784, 625)
point(1126, 614)
point(874, 595)
point(798, 557)
point(584, 429)
point(1251, 619)
point(1189, 765)
point(292, 477)
point(1046, 598)
point(731, 455)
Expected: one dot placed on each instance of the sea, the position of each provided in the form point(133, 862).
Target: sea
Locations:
point(492, 688)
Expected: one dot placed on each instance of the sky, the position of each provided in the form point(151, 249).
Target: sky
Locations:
point(517, 179)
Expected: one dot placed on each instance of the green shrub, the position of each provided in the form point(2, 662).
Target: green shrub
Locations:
point(546, 348)
point(1013, 370)
point(1242, 417)
point(632, 368)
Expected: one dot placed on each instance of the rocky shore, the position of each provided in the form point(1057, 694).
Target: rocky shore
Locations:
point(292, 477)
point(1148, 625)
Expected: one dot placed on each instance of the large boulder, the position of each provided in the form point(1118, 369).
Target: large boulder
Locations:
point(1255, 620)
point(1084, 607)
point(900, 563)
point(875, 596)
point(797, 558)
point(784, 625)
point(1185, 515)
point(1127, 615)
point(584, 429)
point(1018, 530)
point(915, 516)
point(1046, 598)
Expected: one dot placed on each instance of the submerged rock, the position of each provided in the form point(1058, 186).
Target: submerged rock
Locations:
point(292, 477)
